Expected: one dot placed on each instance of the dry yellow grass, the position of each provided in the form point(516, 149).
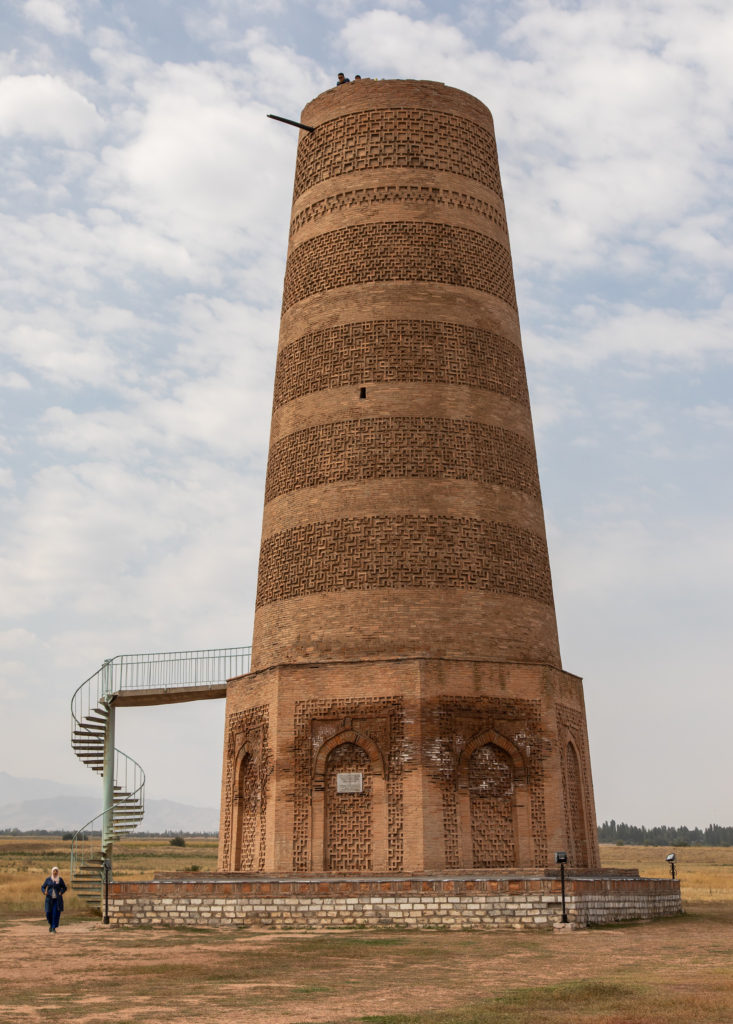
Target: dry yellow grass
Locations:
point(705, 872)
point(26, 861)
point(673, 971)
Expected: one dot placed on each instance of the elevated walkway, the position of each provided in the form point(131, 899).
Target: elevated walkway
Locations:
point(132, 680)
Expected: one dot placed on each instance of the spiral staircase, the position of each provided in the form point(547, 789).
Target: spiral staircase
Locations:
point(130, 680)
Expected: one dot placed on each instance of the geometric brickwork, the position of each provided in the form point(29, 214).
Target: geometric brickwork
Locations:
point(365, 449)
point(401, 251)
point(373, 140)
point(406, 709)
point(491, 783)
point(404, 551)
point(400, 351)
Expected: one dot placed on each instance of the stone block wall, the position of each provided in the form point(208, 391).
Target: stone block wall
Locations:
point(519, 902)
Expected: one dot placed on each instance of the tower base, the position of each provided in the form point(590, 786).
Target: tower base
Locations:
point(458, 901)
point(406, 765)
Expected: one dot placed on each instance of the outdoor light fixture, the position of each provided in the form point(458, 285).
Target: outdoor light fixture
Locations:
point(561, 858)
point(671, 861)
point(107, 866)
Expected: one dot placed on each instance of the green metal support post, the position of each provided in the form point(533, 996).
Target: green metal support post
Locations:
point(108, 781)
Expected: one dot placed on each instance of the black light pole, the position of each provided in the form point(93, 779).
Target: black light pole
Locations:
point(561, 858)
point(670, 860)
point(106, 864)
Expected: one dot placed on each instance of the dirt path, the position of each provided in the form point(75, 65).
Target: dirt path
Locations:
point(120, 976)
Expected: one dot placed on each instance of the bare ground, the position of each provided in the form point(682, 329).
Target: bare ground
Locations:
point(675, 971)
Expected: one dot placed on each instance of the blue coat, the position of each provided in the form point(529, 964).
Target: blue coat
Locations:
point(47, 888)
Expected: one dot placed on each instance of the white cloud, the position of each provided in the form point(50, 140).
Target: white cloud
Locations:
point(203, 171)
point(45, 107)
point(140, 290)
point(14, 381)
point(715, 414)
point(594, 334)
point(56, 16)
point(607, 121)
point(46, 344)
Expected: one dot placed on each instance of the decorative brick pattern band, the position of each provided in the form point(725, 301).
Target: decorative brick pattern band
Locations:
point(404, 551)
point(409, 351)
point(422, 195)
point(399, 251)
point(427, 140)
point(422, 902)
point(401, 446)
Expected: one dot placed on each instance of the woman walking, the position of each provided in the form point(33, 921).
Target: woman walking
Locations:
point(54, 888)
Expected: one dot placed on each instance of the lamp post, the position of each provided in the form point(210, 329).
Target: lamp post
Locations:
point(561, 858)
point(107, 866)
point(671, 861)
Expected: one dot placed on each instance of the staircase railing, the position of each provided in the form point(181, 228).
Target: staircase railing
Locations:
point(92, 724)
point(89, 841)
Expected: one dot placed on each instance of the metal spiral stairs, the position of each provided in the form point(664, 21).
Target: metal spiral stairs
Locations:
point(130, 680)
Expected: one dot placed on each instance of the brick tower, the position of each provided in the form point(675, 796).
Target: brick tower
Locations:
point(406, 709)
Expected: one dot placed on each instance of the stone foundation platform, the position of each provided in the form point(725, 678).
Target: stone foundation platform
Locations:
point(476, 900)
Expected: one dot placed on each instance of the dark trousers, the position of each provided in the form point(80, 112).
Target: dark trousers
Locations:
point(53, 915)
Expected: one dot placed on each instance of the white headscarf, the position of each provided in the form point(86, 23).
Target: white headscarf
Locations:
point(55, 874)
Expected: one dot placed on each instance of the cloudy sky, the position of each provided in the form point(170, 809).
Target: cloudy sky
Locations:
point(145, 206)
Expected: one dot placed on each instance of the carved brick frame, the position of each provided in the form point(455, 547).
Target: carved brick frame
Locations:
point(379, 799)
point(521, 806)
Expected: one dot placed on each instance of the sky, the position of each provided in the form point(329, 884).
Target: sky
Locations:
point(145, 204)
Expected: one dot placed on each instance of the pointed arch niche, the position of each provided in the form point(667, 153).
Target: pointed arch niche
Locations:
point(246, 812)
point(575, 804)
point(349, 831)
point(493, 804)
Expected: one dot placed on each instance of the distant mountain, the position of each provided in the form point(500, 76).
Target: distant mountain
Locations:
point(13, 788)
point(39, 803)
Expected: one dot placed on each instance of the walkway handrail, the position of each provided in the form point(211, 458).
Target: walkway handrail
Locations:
point(159, 671)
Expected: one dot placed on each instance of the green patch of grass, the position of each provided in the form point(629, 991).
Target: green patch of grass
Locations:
point(589, 1001)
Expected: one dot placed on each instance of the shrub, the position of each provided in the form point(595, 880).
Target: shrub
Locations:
point(178, 841)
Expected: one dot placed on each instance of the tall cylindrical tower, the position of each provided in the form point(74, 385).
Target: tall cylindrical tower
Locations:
point(406, 708)
point(402, 511)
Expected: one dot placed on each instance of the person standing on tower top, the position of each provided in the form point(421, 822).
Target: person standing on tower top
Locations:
point(341, 79)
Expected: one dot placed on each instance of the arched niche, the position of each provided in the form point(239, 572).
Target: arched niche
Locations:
point(246, 811)
point(577, 818)
point(493, 803)
point(337, 752)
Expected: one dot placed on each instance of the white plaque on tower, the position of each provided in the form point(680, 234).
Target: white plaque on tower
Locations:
point(349, 782)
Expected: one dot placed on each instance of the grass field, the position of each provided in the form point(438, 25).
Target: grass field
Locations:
point(25, 862)
point(676, 971)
